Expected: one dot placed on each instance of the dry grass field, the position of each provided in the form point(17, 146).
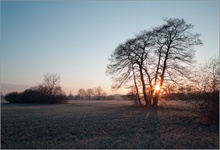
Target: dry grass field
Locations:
point(98, 124)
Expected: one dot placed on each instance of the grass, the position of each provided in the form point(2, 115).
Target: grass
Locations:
point(73, 126)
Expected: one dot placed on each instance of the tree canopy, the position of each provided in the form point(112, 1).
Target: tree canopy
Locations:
point(154, 58)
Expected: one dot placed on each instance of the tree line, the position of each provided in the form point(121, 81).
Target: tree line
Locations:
point(96, 93)
point(49, 92)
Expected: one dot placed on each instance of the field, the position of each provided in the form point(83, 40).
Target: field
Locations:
point(103, 124)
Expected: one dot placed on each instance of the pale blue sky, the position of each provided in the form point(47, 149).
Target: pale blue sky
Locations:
point(75, 38)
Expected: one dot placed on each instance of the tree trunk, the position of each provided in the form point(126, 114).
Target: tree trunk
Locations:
point(157, 93)
point(143, 87)
point(136, 87)
point(156, 98)
point(137, 94)
point(151, 95)
point(154, 94)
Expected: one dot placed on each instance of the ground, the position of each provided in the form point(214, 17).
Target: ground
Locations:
point(103, 124)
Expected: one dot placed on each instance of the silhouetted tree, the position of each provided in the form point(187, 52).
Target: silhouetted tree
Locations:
point(31, 96)
point(128, 61)
point(206, 85)
point(13, 97)
point(175, 51)
point(120, 65)
point(82, 93)
point(157, 57)
point(70, 96)
point(49, 92)
point(98, 92)
point(89, 93)
point(51, 83)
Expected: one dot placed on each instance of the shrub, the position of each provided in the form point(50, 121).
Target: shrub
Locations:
point(208, 84)
point(34, 96)
point(13, 97)
point(29, 96)
point(210, 108)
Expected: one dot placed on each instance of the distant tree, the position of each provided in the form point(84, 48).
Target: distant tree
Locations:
point(49, 92)
point(98, 91)
point(89, 93)
point(103, 95)
point(51, 82)
point(82, 93)
point(76, 97)
point(70, 96)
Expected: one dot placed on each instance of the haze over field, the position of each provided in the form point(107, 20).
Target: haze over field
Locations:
point(75, 39)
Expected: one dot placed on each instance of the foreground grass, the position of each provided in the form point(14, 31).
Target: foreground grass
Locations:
point(90, 126)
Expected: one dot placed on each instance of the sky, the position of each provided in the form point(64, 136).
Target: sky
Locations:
point(74, 39)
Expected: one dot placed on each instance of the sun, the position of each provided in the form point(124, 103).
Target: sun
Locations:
point(157, 87)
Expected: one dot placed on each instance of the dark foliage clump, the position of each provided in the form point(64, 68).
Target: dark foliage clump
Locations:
point(34, 96)
point(13, 97)
point(49, 92)
point(210, 108)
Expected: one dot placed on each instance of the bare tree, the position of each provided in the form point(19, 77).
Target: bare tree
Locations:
point(138, 99)
point(120, 66)
point(51, 84)
point(70, 96)
point(98, 92)
point(49, 92)
point(175, 51)
point(144, 45)
point(89, 93)
point(103, 95)
point(128, 61)
point(206, 85)
point(157, 57)
point(82, 93)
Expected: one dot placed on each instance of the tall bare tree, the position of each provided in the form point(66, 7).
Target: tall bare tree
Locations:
point(175, 50)
point(128, 60)
point(160, 55)
point(135, 85)
point(206, 86)
point(51, 83)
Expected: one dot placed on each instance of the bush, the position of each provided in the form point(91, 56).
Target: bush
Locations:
point(34, 96)
point(29, 96)
point(208, 84)
point(13, 97)
point(210, 108)
point(49, 92)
